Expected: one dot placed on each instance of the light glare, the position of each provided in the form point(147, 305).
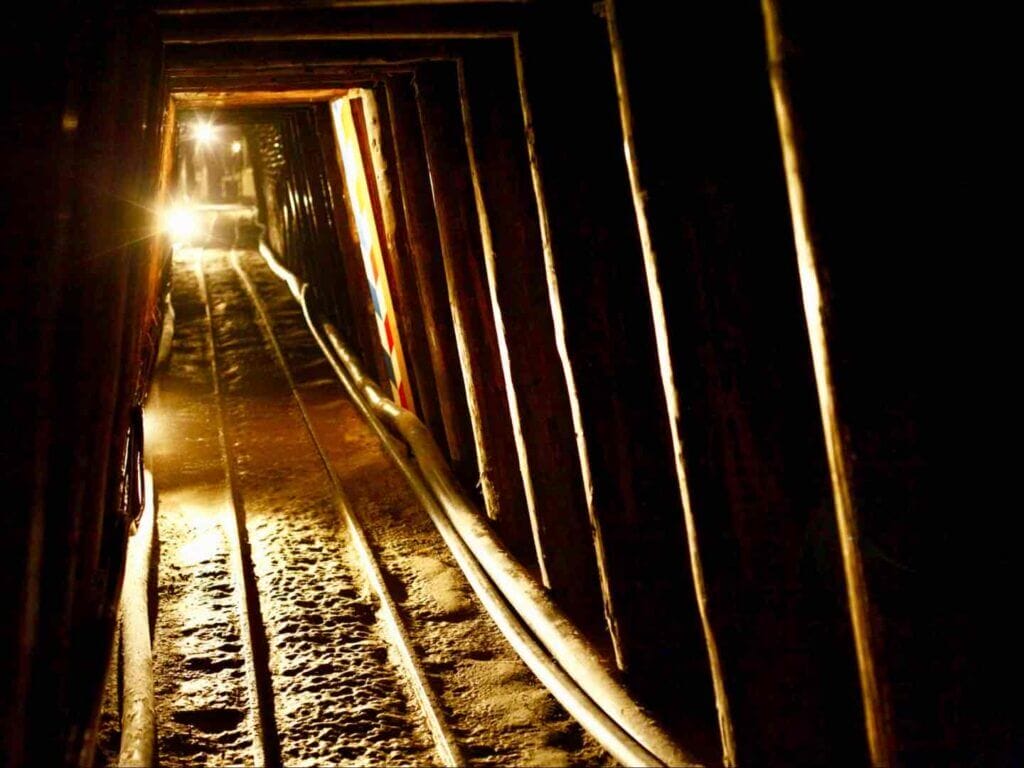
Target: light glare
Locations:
point(181, 224)
point(204, 133)
point(236, 147)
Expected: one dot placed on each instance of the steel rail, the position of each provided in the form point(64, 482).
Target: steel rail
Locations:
point(138, 704)
point(544, 637)
point(447, 747)
point(265, 744)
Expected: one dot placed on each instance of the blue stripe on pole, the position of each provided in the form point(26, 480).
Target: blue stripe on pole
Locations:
point(376, 301)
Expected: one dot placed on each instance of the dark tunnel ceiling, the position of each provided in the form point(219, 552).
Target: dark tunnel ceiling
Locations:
point(227, 47)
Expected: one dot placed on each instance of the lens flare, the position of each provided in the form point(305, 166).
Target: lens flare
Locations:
point(180, 223)
point(204, 132)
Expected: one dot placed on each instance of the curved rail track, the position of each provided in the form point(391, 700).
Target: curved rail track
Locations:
point(307, 611)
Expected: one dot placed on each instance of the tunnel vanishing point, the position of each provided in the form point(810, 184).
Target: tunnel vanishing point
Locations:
point(499, 382)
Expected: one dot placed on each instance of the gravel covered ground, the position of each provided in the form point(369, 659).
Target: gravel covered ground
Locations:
point(202, 699)
point(502, 715)
point(339, 699)
point(339, 696)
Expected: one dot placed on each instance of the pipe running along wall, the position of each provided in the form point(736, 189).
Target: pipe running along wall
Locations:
point(565, 662)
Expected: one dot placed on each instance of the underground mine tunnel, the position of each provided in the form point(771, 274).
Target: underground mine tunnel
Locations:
point(495, 382)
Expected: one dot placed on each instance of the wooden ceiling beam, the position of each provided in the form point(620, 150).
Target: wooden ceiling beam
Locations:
point(209, 99)
point(167, 8)
point(303, 54)
point(278, 83)
point(478, 20)
point(248, 71)
point(250, 114)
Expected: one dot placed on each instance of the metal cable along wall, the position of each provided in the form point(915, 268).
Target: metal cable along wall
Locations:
point(291, 171)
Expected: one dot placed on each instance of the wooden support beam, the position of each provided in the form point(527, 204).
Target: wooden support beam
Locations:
point(82, 164)
point(479, 20)
point(349, 255)
point(428, 271)
point(257, 137)
point(306, 233)
point(906, 327)
point(302, 54)
point(711, 205)
point(314, 213)
point(437, 99)
point(322, 74)
point(237, 85)
point(379, 146)
point(211, 99)
point(602, 309)
point(248, 115)
point(318, 237)
point(206, 7)
point(517, 280)
point(192, 86)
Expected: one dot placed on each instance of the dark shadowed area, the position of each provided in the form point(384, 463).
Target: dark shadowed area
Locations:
point(504, 382)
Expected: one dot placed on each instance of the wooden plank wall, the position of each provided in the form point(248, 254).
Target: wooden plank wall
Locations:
point(644, 268)
point(85, 117)
point(912, 329)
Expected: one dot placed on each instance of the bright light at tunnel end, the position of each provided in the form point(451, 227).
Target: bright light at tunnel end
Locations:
point(180, 223)
point(204, 132)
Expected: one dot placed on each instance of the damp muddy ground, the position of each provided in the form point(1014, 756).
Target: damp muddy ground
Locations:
point(339, 697)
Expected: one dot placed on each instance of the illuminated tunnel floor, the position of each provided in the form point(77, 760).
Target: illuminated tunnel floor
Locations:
point(333, 692)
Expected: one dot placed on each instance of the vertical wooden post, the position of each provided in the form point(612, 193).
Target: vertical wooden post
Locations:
point(351, 261)
point(428, 270)
point(437, 98)
point(599, 294)
point(906, 343)
point(72, 300)
point(336, 293)
point(314, 215)
point(710, 205)
point(538, 395)
point(397, 263)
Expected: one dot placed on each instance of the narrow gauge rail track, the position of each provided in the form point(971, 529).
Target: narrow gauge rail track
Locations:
point(448, 751)
point(286, 633)
point(262, 725)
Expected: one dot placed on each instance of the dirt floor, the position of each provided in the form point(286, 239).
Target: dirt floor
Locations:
point(339, 697)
